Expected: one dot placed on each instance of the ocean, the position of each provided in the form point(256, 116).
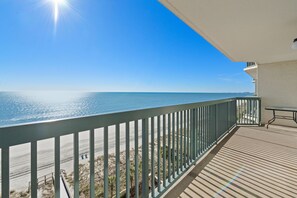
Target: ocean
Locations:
point(26, 107)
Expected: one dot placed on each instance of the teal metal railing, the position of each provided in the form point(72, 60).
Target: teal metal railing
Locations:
point(248, 111)
point(160, 145)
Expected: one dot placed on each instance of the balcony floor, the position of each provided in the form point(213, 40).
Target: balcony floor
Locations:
point(249, 162)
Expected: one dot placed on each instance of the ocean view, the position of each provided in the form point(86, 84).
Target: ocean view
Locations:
point(26, 107)
point(148, 99)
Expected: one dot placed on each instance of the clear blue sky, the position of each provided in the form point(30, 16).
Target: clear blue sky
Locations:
point(108, 45)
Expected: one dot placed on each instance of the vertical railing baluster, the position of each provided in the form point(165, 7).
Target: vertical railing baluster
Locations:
point(260, 111)
point(173, 144)
point(118, 176)
point(76, 164)
point(169, 147)
point(5, 172)
point(240, 112)
point(206, 126)
point(254, 110)
point(232, 113)
point(178, 142)
point(57, 167)
point(203, 125)
point(228, 116)
point(234, 105)
point(136, 159)
point(105, 139)
point(209, 125)
point(128, 159)
point(185, 139)
point(92, 162)
point(245, 111)
point(159, 152)
point(145, 137)
point(244, 115)
point(237, 111)
point(213, 123)
point(216, 123)
point(181, 141)
point(152, 156)
point(34, 169)
point(188, 137)
point(192, 134)
point(164, 151)
point(200, 131)
point(196, 132)
point(251, 110)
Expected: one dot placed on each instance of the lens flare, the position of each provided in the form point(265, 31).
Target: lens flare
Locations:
point(56, 13)
point(57, 4)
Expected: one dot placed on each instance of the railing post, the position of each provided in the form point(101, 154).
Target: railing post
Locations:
point(34, 185)
point(57, 167)
point(5, 172)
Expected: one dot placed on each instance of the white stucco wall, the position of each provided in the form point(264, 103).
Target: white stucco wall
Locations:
point(277, 86)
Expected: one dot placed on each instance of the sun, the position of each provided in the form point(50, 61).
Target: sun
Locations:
point(57, 4)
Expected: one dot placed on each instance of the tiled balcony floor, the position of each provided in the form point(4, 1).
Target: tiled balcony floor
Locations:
point(250, 162)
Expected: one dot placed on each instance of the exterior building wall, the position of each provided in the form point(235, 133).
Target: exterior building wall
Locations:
point(277, 86)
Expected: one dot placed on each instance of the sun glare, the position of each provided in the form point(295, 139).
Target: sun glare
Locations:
point(57, 5)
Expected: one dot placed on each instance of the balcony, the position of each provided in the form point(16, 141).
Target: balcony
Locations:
point(249, 162)
point(252, 70)
point(139, 153)
point(250, 64)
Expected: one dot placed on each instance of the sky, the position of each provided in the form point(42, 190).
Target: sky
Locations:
point(108, 45)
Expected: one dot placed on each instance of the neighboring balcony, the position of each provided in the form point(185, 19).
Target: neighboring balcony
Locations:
point(252, 70)
point(139, 153)
point(250, 64)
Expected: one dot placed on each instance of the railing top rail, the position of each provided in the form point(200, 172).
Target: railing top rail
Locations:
point(19, 134)
point(249, 97)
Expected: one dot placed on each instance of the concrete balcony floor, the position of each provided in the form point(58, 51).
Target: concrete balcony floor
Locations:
point(249, 162)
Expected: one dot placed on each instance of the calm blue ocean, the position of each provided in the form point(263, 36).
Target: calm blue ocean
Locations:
point(25, 107)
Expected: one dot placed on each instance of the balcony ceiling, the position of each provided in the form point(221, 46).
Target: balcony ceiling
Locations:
point(244, 30)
